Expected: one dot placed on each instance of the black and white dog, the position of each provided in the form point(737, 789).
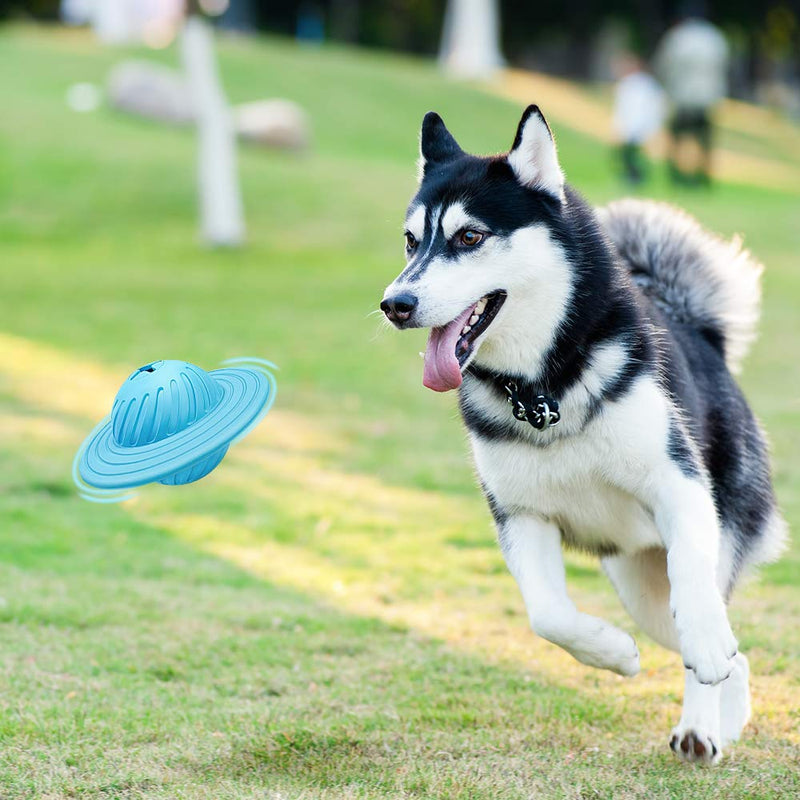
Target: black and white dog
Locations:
point(592, 351)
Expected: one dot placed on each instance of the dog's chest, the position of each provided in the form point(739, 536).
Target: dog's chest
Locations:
point(573, 487)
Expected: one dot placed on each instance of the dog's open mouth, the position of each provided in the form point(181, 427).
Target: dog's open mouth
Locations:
point(450, 346)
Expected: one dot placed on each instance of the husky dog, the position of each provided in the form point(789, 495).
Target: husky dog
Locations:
point(592, 351)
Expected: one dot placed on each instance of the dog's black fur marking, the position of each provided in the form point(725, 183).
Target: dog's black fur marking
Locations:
point(499, 515)
point(437, 145)
point(526, 115)
point(485, 425)
point(599, 549)
point(681, 453)
point(724, 430)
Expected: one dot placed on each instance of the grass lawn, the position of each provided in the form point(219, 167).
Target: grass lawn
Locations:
point(327, 615)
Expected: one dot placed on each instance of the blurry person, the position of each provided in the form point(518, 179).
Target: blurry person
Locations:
point(692, 63)
point(76, 12)
point(638, 114)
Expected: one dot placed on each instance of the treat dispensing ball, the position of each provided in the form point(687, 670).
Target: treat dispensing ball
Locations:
point(172, 423)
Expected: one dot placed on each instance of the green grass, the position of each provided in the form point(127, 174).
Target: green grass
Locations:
point(327, 615)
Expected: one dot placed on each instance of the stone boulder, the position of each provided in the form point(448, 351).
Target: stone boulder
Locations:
point(150, 90)
point(273, 123)
point(161, 93)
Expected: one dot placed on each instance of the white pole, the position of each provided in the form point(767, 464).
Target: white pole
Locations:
point(221, 214)
point(470, 45)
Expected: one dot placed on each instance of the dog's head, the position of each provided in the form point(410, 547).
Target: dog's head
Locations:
point(479, 244)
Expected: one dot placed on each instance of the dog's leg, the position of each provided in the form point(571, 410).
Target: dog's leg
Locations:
point(642, 584)
point(697, 735)
point(641, 581)
point(687, 521)
point(713, 716)
point(734, 706)
point(532, 549)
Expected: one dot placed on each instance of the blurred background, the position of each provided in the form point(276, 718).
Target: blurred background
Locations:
point(573, 39)
point(327, 614)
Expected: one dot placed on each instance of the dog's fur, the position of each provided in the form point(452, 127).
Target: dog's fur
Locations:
point(631, 317)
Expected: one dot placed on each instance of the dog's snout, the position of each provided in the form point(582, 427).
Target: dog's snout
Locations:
point(400, 307)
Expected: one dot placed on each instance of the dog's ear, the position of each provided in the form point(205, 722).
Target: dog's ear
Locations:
point(436, 143)
point(533, 155)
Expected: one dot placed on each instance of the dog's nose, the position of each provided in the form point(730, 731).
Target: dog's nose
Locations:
point(399, 307)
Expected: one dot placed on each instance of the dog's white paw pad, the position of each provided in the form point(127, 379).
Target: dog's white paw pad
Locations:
point(690, 745)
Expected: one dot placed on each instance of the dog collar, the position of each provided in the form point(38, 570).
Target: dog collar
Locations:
point(541, 412)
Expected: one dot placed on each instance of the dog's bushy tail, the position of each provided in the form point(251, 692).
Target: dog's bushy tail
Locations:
point(696, 277)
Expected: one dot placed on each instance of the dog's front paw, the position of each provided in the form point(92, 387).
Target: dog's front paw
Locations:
point(625, 661)
point(708, 646)
point(693, 744)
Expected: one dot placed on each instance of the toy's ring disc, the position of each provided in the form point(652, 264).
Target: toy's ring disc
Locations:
point(107, 465)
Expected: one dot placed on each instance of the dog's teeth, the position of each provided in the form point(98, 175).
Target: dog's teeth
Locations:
point(473, 319)
point(466, 329)
point(421, 354)
point(481, 305)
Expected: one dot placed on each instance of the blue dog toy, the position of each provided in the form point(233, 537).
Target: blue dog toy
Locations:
point(172, 423)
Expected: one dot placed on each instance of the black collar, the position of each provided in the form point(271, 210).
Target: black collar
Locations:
point(539, 410)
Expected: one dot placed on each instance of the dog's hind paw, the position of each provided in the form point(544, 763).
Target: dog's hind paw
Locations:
point(691, 744)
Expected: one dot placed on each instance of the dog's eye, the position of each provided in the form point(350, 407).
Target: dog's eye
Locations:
point(411, 242)
point(470, 238)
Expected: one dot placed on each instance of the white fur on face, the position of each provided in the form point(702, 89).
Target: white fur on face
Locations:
point(456, 219)
point(436, 215)
point(528, 265)
point(534, 270)
point(415, 222)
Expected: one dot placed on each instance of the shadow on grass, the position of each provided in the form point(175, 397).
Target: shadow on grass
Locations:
point(118, 636)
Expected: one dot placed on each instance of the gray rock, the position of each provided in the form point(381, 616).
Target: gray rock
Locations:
point(273, 123)
point(161, 93)
point(150, 90)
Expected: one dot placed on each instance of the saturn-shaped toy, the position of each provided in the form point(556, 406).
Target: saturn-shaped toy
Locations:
point(172, 423)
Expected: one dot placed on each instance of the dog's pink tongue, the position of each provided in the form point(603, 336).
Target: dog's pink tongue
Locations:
point(442, 372)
